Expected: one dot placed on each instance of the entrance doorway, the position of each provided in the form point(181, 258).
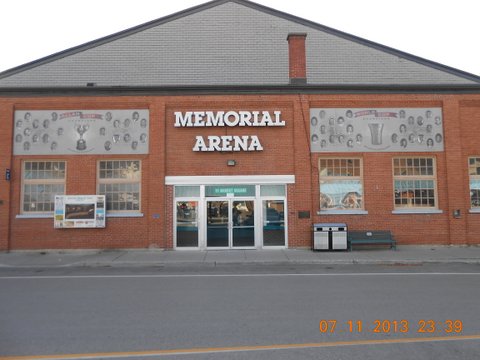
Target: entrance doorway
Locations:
point(230, 223)
point(230, 212)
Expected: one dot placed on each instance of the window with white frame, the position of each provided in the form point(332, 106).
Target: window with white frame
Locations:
point(474, 177)
point(414, 182)
point(120, 182)
point(42, 180)
point(341, 184)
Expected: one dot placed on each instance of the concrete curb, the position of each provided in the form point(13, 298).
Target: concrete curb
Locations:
point(405, 255)
point(179, 264)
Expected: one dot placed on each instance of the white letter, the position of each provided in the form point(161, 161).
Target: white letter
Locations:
point(241, 142)
point(199, 118)
point(266, 119)
point(255, 118)
point(226, 143)
point(255, 144)
point(200, 144)
point(236, 118)
point(278, 121)
point(215, 120)
point(213, 143)
point(183, 121)
point(245, 117)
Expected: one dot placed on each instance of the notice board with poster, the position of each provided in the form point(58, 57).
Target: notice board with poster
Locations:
point(79, 211)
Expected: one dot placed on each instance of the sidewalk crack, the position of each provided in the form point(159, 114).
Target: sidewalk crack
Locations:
point(119, 256)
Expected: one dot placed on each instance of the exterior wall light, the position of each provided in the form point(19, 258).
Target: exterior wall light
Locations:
point(231, 162)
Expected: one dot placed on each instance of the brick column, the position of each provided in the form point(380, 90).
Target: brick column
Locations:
point(456, 172)
point(157, 208)
point(6, 118)
point(302, 196)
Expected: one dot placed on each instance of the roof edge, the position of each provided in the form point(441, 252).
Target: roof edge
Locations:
point(250, 4)
point(240, 89)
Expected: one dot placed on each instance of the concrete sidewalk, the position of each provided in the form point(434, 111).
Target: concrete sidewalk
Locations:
point(151, 257)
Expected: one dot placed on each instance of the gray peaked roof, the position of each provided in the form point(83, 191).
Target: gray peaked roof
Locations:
point(233, 43)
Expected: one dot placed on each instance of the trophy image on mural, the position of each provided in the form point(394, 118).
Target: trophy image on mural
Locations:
point(81, 143)
point(376, 132)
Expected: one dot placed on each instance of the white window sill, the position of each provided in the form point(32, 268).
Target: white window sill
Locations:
point(125, 214)
point(342, 212)
point(34, 216)
point(474, 211)
point(416, 211)
point(50, 216)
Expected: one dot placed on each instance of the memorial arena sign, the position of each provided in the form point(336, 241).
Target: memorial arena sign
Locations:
point(228, 143)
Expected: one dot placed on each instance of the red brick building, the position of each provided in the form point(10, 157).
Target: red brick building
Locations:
point(232, 125)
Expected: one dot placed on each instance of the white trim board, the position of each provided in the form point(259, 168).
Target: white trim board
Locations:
point(231, 179)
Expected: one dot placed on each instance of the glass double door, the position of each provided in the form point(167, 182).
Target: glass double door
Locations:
point(230, 223)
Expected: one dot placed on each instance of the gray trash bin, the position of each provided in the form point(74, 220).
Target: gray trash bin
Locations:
point(330, 236)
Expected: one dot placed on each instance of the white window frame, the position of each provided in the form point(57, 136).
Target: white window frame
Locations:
point(412, 207)
point(106, 181)
point(38, 181)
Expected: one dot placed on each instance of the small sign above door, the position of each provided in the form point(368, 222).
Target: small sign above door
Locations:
point(229, 190)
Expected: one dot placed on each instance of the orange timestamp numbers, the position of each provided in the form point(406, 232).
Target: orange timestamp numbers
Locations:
point(426, 326)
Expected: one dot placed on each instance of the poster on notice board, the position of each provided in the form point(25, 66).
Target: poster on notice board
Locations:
point(79, 211)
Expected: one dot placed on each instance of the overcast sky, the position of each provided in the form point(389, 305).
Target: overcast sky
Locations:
point(443, 31)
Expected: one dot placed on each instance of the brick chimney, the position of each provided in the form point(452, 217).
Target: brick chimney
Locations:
point(297, 58)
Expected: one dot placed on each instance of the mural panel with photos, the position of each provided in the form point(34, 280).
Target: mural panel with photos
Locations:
point(381, 129)
point(77, 132)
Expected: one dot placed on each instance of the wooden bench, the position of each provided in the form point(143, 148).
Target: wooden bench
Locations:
point(371, 237)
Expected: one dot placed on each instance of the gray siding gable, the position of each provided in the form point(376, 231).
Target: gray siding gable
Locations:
point(228, 43)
